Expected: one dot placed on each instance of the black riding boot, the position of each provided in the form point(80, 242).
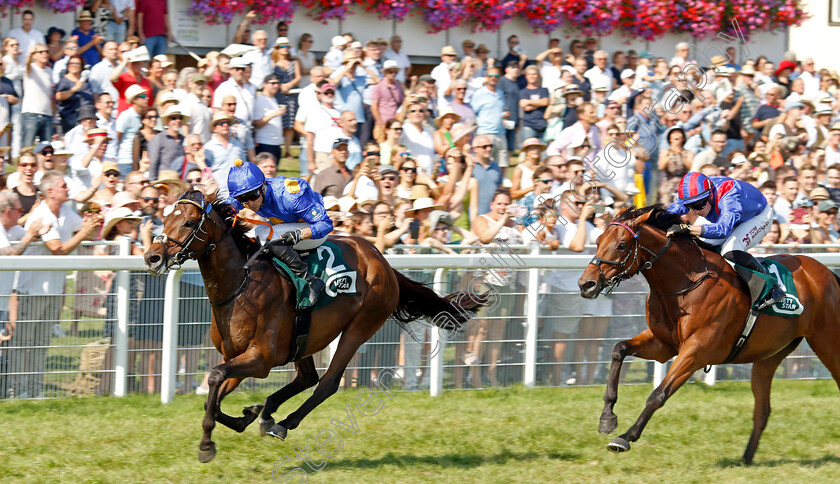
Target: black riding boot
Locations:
point(743, 259)
point(292, 259)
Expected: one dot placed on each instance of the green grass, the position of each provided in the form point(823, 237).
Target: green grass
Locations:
point(504, 435)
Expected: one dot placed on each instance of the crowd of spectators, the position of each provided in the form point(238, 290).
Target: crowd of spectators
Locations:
point(102, 131)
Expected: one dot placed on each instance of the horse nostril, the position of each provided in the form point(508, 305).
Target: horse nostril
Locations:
point(154, 259)
point(588, 285)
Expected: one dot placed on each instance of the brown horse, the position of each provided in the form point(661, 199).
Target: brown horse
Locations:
point(253, 312)
point(697, 309)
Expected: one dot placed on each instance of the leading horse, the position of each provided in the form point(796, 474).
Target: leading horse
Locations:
point(253, 312)
point(696, 310)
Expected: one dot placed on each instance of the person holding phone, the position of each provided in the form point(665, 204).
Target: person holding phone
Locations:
point(739, 217)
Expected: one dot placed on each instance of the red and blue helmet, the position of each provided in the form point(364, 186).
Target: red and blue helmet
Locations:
point(695, 187)
point(244, 177)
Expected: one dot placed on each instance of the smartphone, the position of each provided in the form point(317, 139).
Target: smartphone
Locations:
point(797, 215)
point(414, 229)
point(599, 208)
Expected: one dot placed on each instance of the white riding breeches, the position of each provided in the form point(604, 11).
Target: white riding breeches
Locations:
point(261, 232)
point(746, 234)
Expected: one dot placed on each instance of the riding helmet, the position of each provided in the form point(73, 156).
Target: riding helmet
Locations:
point(694, 187)
point(244, 177)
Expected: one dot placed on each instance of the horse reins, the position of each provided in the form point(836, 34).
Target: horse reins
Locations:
point(178, 259)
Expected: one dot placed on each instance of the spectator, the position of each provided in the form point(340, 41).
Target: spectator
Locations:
point(153, 25)
point(86, 170)
point(393, 131)
point(100, 74)
point(218, 70)
point(439, 233)
point(140, 145)
point(306, 59)
point(599, 74)
point(224, 148)
point(72, 92)
point(166, 149)
point(320, 131)
point(461, 107)
point(13, 71)
point(674, 163)
point(509, 87)
point(396, 54)
point(25, 187)
point(134, 183)
point(287, 68)
point(515, 53)
point(334, 57)
point(119, 18)
point(350, 82)
point(681, 56)
point(440, 73)
point(787, 195)
point(417, 136)
point(111, 177)
point(522, 182)
point(238, 87)
point(582, 81)
point(486, 172)
point(129, 123)
point(542, 180)
point(489, 106)
point(27, 37)
point(767, 113)
point(40, 294)
point(10, 211)
point(123, 79)
point(259, 58)
point(308, 103)
point(583, 130)
point(268, 118)
point(533, 100)
point(332, 180)
point(89, 40)
point(55, 43)
point(36, 107)
point(267, 164)
point(444, 137)
point(386, 98)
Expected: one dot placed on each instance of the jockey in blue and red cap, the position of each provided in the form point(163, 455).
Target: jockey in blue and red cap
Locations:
point(284, 201)
point(740, 217)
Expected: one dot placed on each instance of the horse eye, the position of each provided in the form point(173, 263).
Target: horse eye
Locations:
point(622, 246)
point(190, 223)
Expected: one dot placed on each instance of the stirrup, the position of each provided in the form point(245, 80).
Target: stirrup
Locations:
point(776, 294)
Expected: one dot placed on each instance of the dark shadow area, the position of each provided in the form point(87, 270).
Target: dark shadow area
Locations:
point(757, 462)
point(449, 460)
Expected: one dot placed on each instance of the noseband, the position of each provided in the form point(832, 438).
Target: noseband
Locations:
point(614, 281)
point(178, 259)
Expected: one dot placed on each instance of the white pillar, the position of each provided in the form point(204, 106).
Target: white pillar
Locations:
point(169, 357)
point(123, 280)
point(438, 343)
point(531, 330)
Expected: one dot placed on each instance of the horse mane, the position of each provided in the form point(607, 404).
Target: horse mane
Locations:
point(246, 245)
point(660, 219)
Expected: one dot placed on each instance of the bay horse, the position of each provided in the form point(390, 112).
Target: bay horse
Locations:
point(696, 310)
point(253, 311)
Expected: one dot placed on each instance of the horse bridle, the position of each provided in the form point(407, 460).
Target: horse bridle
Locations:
point(183, 255)
point(614, 281)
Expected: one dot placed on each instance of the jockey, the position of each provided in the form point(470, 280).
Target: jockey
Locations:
point(281, 200)
point(740, 217)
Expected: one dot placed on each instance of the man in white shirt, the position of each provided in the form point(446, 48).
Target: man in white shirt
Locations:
point(418, 138)
point(335, 56)
point(100, 73)
point(129, 123)
point(238, 87)
point(441, 73)
point(259, 58)
point(307, 103)
point(40, 293)
point(573, 135)
point(599, 74)
point(105, 119)
point(810, 78)
point(395, 53)
point(27, 36)
point(620, 95)
point(192, 105)
point(268, 118)
point(319, 135)
point(832, 148)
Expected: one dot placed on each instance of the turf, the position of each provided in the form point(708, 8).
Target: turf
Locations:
point(504, 435)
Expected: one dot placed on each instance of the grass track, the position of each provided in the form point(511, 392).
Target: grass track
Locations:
point(505, 435)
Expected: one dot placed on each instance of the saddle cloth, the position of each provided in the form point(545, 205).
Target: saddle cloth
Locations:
point(790, 305)
point(326, 262)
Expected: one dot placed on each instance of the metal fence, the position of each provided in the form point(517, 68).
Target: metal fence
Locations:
point(116, 330)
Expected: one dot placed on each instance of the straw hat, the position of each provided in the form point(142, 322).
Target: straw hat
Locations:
point(174, 111)
point(94, 133)
point(346, 204)
point(133, 91)
point(164, 61)
point(532, 142)
point(116, 215)
point(140, 54)
point(220, 116)
point(170, 179)
point(572, 89)
point(419, 191)
point(447, 111)
point(110, 166)
point(121, 199)
point(331, 203)
point(424, 203)
point(85, 15)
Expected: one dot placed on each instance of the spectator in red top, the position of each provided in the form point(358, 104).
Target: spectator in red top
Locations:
point(136, 60)
point(153, 25)
point(219, 70)
point(386, 98)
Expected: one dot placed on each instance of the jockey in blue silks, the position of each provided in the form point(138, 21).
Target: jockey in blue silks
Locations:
point(740, 217)
point(284, 201)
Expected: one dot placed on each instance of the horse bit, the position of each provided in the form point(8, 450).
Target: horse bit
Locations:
point(178, 259)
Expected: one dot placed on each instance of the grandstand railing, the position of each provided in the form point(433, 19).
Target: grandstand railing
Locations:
point(530, 263)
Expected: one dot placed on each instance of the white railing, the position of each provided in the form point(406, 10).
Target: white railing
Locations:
point(533, 262)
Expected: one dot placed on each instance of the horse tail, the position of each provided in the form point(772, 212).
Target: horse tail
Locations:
point(450, 312)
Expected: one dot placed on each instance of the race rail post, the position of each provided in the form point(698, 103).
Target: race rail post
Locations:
point(121, 326)
point(436, 362)
point(169, 358)
point(531, 330)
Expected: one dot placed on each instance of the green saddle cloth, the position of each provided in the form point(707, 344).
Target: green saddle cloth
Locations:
point(790, 305)
point(327, 263)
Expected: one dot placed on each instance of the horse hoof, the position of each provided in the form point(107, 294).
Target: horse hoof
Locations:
point(278, 432)
point(608, 425)
point(265, 426)
point(253, 409)
point(618, 445)
point(205, 456)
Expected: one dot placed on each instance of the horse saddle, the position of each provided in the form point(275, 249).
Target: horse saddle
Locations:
point(790, 305)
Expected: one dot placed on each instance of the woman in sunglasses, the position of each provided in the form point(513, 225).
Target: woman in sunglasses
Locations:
point(740, 217)
point(279, 199)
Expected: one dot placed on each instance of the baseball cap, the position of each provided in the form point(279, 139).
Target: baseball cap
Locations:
point(340, 141)
point(383, 169)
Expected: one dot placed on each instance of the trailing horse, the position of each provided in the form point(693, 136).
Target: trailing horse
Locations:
point(696, 311)
point(253, 312)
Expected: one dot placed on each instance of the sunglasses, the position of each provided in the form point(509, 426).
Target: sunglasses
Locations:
point(229, 104)
point(223, 123)
point(114, 174)
point(483, 147)
point(283, 46)
point(328, 93)
point(194, 180)
point(493, 75)
point(141, 96)
point(151, 117)
point(176, 118)
point(417, 111)
point(149, 199)
point(40, 52)
point(698, 205)
point(409, 170)
point(392, 178)
point(250, 196)
point(405, 153)
point(400, 129)
point(47, 152)
point(237, 68)
point(544, 181)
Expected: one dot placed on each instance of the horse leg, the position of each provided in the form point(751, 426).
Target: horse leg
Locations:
point(249, 363)
point(249, 414)
point(687, 362)
point(347, 347)
point(307, 376)
point(646, 346)
point(762, 378)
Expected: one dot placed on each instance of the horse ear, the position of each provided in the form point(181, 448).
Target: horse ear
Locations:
point(644, 218)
